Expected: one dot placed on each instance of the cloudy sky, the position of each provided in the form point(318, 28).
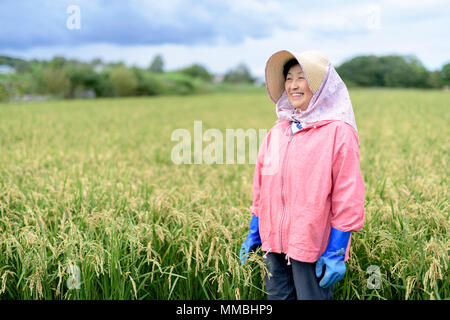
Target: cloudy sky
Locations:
point(221, 34)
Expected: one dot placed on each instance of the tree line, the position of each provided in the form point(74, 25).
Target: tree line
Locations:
point(392, 71)
point(71, 78)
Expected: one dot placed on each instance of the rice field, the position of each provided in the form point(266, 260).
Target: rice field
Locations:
point(93, 207)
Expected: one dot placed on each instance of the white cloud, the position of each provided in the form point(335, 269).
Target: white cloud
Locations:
point(338, 29)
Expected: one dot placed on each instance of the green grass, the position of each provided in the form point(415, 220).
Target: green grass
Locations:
point(91, 183)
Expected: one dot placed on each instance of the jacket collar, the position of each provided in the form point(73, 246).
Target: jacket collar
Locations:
point(285, 124)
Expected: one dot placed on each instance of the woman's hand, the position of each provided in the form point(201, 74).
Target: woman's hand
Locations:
point(333, 258)
point(253, 240)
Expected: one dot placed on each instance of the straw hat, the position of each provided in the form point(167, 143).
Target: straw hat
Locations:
point(313, 63)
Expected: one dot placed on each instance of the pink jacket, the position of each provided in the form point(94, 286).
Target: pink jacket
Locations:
point(306, 183)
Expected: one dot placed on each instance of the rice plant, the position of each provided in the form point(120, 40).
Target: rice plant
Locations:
point(90, 186)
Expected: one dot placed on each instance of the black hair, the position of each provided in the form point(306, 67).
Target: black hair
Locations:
point(288, 66)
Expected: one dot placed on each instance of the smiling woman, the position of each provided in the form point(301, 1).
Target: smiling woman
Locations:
point(297, 90)
point(301, 213)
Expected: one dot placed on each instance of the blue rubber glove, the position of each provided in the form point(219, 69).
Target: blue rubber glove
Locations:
point(253, 240)
point(333, 258)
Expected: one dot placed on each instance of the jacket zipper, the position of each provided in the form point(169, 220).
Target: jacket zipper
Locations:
point(282, 190)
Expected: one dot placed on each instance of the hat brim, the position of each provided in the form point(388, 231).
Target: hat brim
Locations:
point(274, 73)
point(313, 63)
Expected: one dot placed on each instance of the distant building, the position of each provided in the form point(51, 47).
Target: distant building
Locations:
point(218, 78)
point(99, 68)
point(5, 69)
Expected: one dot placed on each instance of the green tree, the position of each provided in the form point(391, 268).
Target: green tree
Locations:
point(197, 71)
point(434, 80)
point(240, 74)
point(362, 71)
point(157, 64)
point(82, 77)
point(149, 83)
point(55, 82)
point(445, 74)
point(418, 73)
point(389, 71)
point(395, 70)
point(5, 92)
point(57, 62)
point(123, 81)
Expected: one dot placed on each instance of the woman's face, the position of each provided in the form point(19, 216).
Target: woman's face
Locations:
point(297, 89)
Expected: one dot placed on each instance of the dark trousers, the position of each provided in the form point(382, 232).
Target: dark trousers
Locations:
point(296, 281)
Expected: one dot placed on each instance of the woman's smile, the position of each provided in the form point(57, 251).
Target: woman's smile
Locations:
point(297, 88)
point(297, 96)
